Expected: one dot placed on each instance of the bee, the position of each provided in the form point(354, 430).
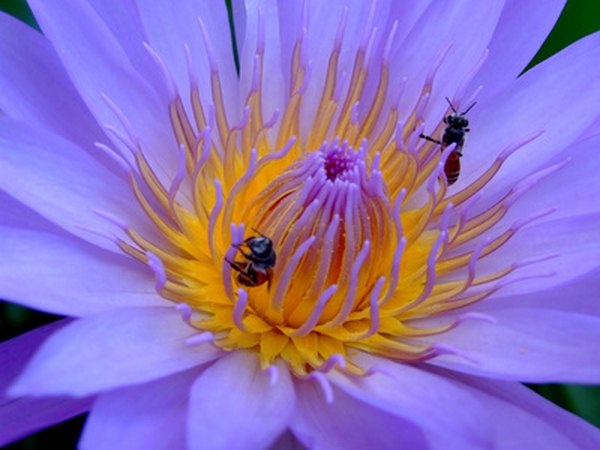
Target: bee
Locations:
point(259, 259)
point(454, 133)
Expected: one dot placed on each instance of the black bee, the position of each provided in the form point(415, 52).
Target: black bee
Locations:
point(260, 259)
point(454, 133)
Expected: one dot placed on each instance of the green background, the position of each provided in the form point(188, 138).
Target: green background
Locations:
point(579, 18)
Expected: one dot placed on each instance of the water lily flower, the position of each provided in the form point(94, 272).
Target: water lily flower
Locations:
point(319, 252)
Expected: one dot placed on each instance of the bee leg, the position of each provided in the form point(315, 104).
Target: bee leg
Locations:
point(244, 243)
point(247, 255)
point(246, 280)
point(234, 266)
point(430, 139)
point(268, 281)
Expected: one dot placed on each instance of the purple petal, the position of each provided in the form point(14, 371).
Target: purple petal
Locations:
point(592, 130)
point(417, 396)
point(523, 419)
point(521, 30)
point(81, 36)
point(73, 278)
point(57, 179)
point(234, 405)
point(16, 352)
point(578, 296)
point(531, 345)
point(407, 14)
point(239, 21)
point(573, 243)
point(35, 88)
point(540, 100)
point(15, 214)
point(287, 441)
point(323, 20)
point(274, 90)
point(468, 27)
point(22, 416)
point(113, 349)
point(572, 189)
point(350, 423)
point(151, 415)
point(170, 29)
point(123, 21)
point(424, 30)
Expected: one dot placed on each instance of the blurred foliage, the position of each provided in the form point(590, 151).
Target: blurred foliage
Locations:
point(63, 436)
point(233, 37)
point(579, 18)
point(581, 400)
point(19, 9)
point(16, 320)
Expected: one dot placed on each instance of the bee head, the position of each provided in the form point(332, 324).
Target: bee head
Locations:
point(261, 246)
point(457, 121)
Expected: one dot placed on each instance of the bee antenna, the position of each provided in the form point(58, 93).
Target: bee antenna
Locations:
point(254, 229)
point(451, 105)
point(468, 109)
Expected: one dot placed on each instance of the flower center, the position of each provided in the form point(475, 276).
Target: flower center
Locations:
point(309, 250)
point(323, 230)
point(338, 162)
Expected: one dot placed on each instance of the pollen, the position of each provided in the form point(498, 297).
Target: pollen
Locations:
point(366, 236)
